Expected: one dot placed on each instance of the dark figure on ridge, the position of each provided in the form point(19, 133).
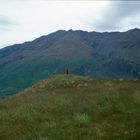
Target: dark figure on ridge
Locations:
point(66, 71)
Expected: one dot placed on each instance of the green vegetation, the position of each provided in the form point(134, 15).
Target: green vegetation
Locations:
point(102, 55)
point(68, 107)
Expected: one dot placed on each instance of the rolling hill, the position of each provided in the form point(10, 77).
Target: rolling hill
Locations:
point(102, 55)
point(69, 107)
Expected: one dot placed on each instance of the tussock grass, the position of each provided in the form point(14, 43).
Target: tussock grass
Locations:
point(60, 109)
point(81, 119)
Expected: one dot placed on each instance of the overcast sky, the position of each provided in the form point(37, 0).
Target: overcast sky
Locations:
point(25, 20)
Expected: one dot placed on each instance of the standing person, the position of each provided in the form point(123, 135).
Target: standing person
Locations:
point(66, 71)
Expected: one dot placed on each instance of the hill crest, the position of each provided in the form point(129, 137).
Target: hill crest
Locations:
point(102, 55)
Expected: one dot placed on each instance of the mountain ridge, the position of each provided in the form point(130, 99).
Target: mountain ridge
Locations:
point(101, 55)
point(134, 29)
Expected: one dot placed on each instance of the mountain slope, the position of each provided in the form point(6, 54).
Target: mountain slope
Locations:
point(69, 107)
point(104, 55)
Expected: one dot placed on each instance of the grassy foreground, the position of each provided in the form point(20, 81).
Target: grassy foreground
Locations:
point(73, 108)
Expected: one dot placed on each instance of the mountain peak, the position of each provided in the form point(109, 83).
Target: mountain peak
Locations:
point(70, 30)
point(103, 55)
point(135, 29)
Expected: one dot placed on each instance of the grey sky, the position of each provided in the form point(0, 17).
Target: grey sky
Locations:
point(120, 15)
point(24, 20)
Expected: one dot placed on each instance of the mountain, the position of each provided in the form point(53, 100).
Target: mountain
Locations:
point(102, 55)
point(70, 107)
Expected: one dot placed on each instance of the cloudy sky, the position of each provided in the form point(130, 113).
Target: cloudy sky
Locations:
point(24, 20)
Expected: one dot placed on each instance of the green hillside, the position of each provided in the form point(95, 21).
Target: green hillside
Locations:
point(102, 55)
point(68, 107)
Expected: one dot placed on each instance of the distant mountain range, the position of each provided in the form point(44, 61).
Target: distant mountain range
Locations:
point(101, 55)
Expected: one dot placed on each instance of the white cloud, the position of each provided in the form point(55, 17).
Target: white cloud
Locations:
point(25, 20)
point(120, 15)
point(41, 17)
